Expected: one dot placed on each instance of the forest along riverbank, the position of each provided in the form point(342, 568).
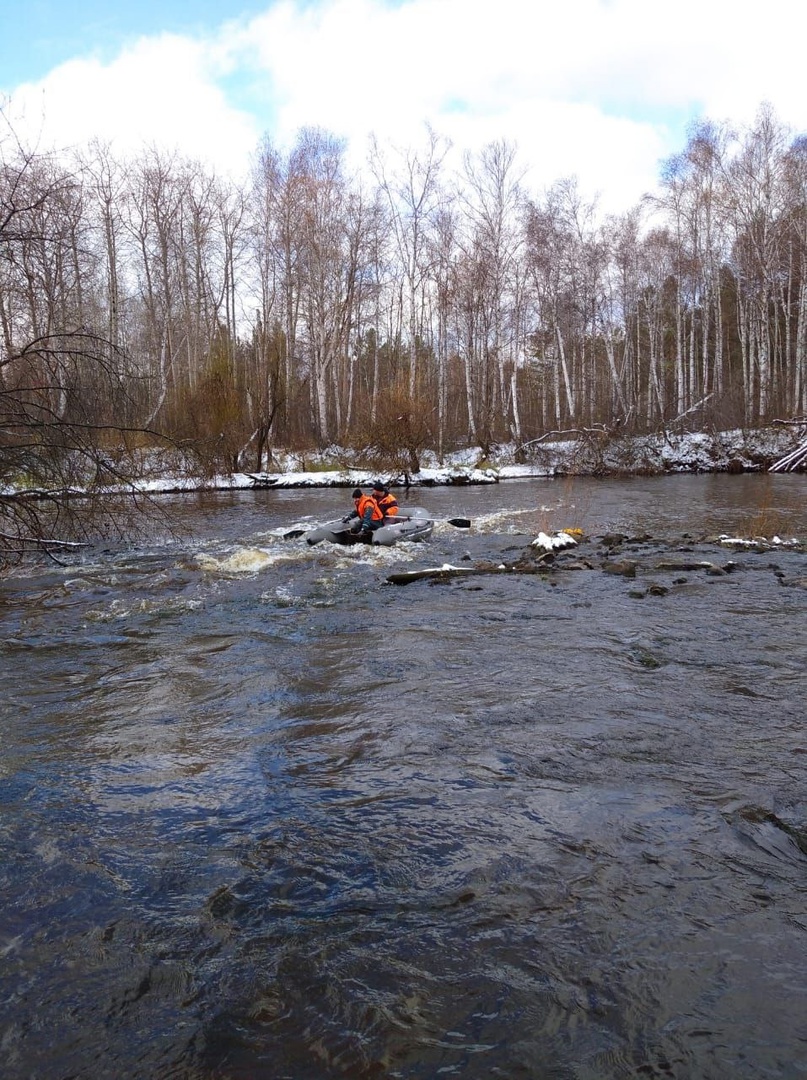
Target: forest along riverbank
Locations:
point(600, 453)
point(265, 813)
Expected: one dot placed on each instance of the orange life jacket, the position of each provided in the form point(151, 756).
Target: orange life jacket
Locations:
point(363, 503)
point(388, 505)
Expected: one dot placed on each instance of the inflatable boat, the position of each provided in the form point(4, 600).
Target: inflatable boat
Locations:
point(410, 523)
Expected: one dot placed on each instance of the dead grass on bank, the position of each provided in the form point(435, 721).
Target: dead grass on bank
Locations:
point(766, 521)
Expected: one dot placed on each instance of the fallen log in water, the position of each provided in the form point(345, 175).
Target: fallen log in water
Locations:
point(526, 565)
point(437, 573)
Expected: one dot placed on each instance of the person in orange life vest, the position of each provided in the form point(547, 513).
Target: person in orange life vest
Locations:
point(367, 514)
point(387, 503)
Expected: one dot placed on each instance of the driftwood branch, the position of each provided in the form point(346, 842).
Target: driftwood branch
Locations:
point(598, 429)
point(44, 543)
point(792, 460)
point(692, 408)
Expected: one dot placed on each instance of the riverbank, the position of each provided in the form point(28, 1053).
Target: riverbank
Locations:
point(594, 453)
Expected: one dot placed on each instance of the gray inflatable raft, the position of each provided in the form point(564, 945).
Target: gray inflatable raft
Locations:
point(410, 523)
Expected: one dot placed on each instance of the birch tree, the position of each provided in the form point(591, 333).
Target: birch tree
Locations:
point(493, 205)
point(755, 204)
point(795, 180)
point(328, 268)
point(411, 187)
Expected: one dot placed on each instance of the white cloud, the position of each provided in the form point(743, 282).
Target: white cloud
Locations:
point(530, 75)
point(160, 91)
point(600, 88)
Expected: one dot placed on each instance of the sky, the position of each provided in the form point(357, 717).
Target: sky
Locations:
point(603, 90)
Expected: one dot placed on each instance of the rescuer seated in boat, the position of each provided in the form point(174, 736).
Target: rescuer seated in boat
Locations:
point(367, 513)
point(387, 503)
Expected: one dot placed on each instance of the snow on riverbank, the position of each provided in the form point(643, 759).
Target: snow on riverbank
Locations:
point(594, 455)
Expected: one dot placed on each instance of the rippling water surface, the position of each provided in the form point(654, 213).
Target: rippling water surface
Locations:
point(264, 815)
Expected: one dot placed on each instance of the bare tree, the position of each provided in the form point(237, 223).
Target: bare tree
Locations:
point(795, 179)
point(755, 199)
point(411, 186)
point(62, 382)
point(492, 198)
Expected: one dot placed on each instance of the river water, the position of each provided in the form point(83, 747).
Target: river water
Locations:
point(263, 814)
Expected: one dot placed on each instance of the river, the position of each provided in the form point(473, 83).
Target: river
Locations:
point(264, 815)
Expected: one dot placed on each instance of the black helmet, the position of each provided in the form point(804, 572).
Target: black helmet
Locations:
point(379, 486)
point(356, 493)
